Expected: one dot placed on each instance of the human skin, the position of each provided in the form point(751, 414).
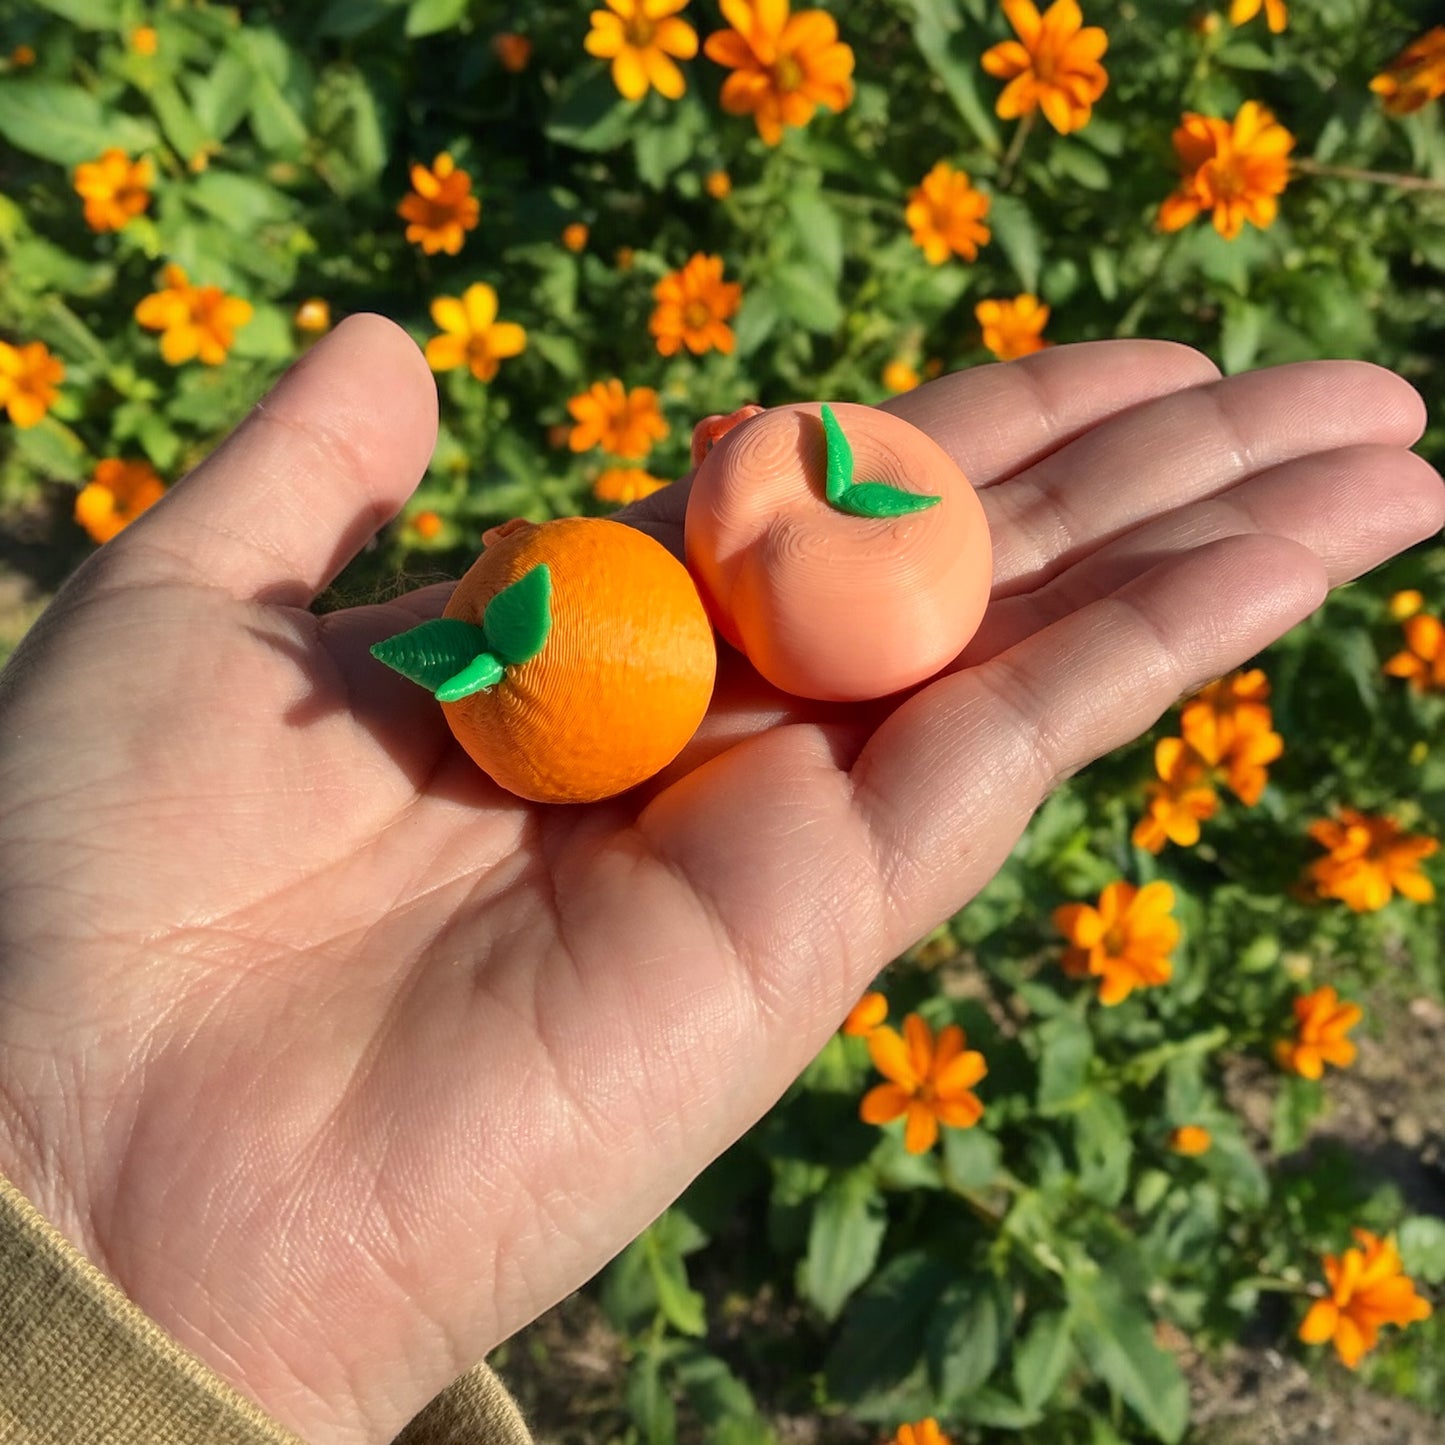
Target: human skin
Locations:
point(343, 1064)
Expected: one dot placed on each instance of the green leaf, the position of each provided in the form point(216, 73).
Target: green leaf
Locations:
point(995, 1409)
point(1042, 1357)
point(817, 229)
point(1116, 1337)
point(1081, 165)
point(1422, 1248)
point(1102, 1137)
point(87, 14)
point(51, 449)
point(681, 1306)
point(953, 58)
point(862, 499)
point(807, 297)
point(1066, 1047)
point(649, 1401)
point(185, 133)
point(1244, 55)
point(1104, 267)
point(427, 17)
point(281, 85)
point(66, 124)
point(433, 651)
point(966, 1335)
point(971, 1157)
point(1017, 235)
point(244, 202)
point(518, 619)
point(482, 672)
point(1297, 1105)
point(1240, 335)
point(348, 18)
point(844, 1236)
point(590, 115)
point(221, 98)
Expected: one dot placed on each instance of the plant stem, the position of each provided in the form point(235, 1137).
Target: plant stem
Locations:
point(1380, 178)
point(1015, 149)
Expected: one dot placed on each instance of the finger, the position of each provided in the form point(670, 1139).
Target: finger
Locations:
point(1193, 443)
point(327, 457)
point(995, 420)
point(1353, 508)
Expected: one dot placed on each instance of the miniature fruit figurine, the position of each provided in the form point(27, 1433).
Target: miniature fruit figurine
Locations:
point(838, 547)
point(573, 660)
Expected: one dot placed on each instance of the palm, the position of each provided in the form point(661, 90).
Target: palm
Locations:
point(366, 1063)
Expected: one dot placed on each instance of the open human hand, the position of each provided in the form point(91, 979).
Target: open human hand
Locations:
point(343, 1063)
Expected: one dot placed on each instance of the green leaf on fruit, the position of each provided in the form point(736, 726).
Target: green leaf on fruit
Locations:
point(862, 499)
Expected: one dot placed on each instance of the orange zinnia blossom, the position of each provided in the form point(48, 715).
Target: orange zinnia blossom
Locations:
point(1013, 328)
point(194, 321)
point(1230, 726)
point(1422, 661)
point(900, 376)
point(1406, 603)
point(1236, 170)
point(1369, 860)
point(945, 213)
point(1190, 1140)
point(693, 307)
point(866, 1015)
point(638, 37)
point(143, 40)
point(115, 188)
point(471, 334)
point(29, 376)
point(1124, 942)
point(784, 66)
point(921, 1432)
point(1368, 1288)
point(1053, 66)
point(427, 525)
point(1321, 1022)
point(117, 493)
point(625, 423)
point(930, 1081)
point(1179, 801)
point(1276, 15)
point(574, 236)
point(1415, 76)
point(626, 484)
point(440, 207)
point(719, 185)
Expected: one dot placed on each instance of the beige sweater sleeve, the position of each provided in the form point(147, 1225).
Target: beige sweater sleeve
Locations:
point(79, 1363)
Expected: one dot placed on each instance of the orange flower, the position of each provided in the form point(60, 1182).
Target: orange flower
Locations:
point(427, 525)
point(143, 40)
point(313, 314)
point(574, 237)
point(784, 66)
point(719, 185)
point(1415, 76)
point(1125, 942)
point(1053, 66)
point(193, 320)
point(1369, 860)
point(1229, 725)
point(921, 1432)
point(626, 484)
point(440, 207)
point(693, 307)
point(22, 56)
point(638, 37)
point(118, 492)
point(115, 189)
point(1276, 15)
point(625, 423)
point(945, 214)
point(29, 376)
point(1423, 659)
point(1236, 170)
point(1190, 1139)
point(1321, 1023)
point(900, 376)
point(1368, 1288)
point(512, 50)
point(866, 1015)
point(1012, 328)
point(929, 1082)
point(1179, 801)
point(471, 334)
point(1406, 603)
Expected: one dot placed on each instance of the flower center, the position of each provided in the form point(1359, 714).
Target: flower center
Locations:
point(696, 315)
point(639, 31)
point(1116, 941)
point(787, 74)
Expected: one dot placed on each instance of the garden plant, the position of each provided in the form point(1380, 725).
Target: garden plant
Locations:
point(1078, 1138)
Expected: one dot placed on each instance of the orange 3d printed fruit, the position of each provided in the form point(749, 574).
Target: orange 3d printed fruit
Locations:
point(573, 660)
point(838, 547)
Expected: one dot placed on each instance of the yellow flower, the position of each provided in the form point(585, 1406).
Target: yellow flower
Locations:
point(1406, 603)
point(1415, 76)
point(693, 307)
point(1190, 1140)
point(1276, 15)
point(626, 484)
point(930, 1082)
point(512, 50)
point(719, 185)
point(1124, 942)
point(574, 236)
point(143, 40)
point(115, 189)
point(1368, 1288)
point(471, 334)
point(440, 208)
point(1369, 860)
point(945, 214)
point(639, 37)
point(784, 66)
point(29, 376)
point(1236, 170)
point(866, 1015)
point(193, 320)
point(899, 376)
point(625, 423)
point(1422, 661)
point(1321, 1023)
point(1053, 66)
point(313, 314)
point(1179, 801)
point(921, 1432)
point(1013, 328)
point(117, 493)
